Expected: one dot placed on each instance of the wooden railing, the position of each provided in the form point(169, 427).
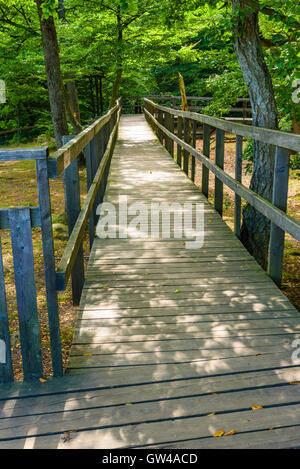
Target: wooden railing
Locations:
point(162, 119)
point(134, 105)
point(97, 143)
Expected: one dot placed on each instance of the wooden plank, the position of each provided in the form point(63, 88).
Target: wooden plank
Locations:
point(26, 292)
point(233, 407)
point(179, 134)
point(89, 172)
point(279, 199)
point(72, 204)
point(187, 139)
point(206, 152)
point(71, 398)
point(220, 163)
point(194, 144)
point(238, 177)
point(35, 218)
point(18, 154)
point(6, 370)
point(49, 266)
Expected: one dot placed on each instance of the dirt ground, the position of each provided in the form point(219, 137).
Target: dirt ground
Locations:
point(18, 183)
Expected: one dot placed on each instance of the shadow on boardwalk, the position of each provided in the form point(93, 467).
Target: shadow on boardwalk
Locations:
point(171, 345)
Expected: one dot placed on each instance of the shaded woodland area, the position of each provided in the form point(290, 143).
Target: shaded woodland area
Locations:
point(65, 62)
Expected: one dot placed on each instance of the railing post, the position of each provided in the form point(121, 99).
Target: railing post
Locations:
point(187, 139)
point(219, 162)
point(21, 239)
point(179, 135)
point(168, 127)
point(238, 177)
point(49, 265)
point(72, 199)
point(279, 199)
point(172, 130)
point(160, 120)
point(6, 370)
point(206, 152)
point(89, 173)
point(194, 145)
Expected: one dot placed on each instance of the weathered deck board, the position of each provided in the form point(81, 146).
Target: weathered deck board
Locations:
point(166, 336)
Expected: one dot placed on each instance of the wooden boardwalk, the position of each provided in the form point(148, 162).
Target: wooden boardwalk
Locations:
point(171, 344)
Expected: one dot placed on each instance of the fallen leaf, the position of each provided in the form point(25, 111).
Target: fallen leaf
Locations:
point(231, 432)
point(42, 380)
point(294, 383)
point(257, 354)
point(271, 428)
point(128, 403)
point(104, 287)
point(209, 415)
point(87, 355)
point(219, 433)
point(212, 393)
point(256, 407)
point(176, 291)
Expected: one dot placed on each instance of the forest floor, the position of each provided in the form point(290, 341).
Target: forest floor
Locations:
point(18, 183)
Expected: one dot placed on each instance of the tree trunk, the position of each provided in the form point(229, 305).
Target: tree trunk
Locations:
point(92, 97)
point(119, 71)
point(72, 107)
point(255, 231)
point(114, 93)
point(54, 80)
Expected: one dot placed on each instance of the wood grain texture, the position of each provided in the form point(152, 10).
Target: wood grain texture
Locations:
point(170, 344)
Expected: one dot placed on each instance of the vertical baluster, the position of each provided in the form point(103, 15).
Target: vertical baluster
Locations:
point(49, 265)
point(186, 124)
point(220, 163)
point(179, 135)
point(194, 144)
point(93, 149)
point(160, 120)
point(172, 130)
point(72, 200)
point(238, 177)
point(206, 152)
point(88, 161)
point(6, 370)
point(20, 229)
point(279, 199)
point(167, 125)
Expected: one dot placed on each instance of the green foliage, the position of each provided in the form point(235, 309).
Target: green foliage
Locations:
point(159, 39)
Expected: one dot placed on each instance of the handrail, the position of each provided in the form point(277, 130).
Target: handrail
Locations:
point(275, 211)
point(69, 255)
point(97, 143)
point(274, 137)
point(68, 152)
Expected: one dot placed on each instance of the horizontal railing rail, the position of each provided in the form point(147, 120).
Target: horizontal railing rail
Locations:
point(162, 119)
point(69, 256)
point(96, 142)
